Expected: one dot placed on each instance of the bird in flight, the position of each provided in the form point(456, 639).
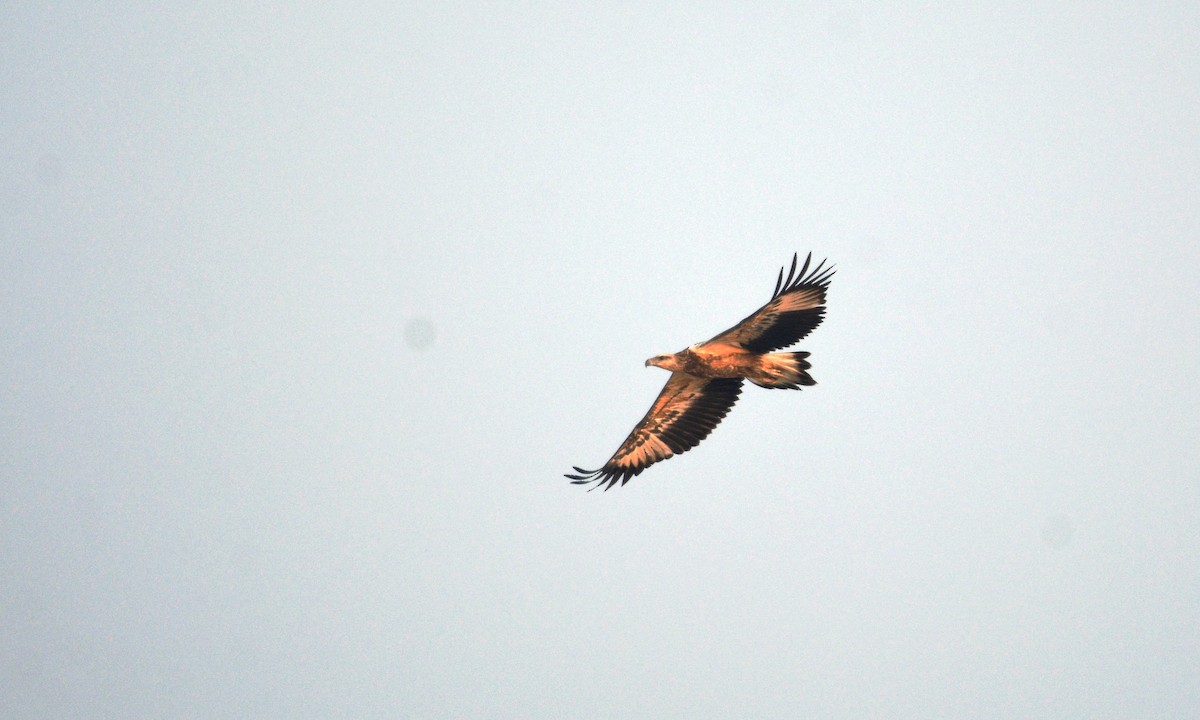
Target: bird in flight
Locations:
point(706, 378)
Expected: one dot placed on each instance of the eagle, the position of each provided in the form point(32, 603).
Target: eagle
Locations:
point(706, 378)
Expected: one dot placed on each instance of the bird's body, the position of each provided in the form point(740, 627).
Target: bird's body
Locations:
point(718, 360)
point(706, 378)
point(704, 361)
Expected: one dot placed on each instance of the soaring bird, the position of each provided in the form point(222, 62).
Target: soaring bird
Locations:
point(706, 378)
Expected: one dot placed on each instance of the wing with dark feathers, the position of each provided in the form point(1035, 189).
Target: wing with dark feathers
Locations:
point(795, 308)
point(686, 411)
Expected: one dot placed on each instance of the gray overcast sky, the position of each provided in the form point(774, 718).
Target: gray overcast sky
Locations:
point(306, 311)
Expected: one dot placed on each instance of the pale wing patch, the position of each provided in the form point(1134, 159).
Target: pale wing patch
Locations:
point(805, 300)
point(650, 452)
point(717, 348)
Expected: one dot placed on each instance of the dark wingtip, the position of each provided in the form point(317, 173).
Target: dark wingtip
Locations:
point(588, 477)
point(782, 285)
point(584, 476)
point(818, 276)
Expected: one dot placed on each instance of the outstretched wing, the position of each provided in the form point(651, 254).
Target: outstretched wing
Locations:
point(795, 308)
point(686, 411)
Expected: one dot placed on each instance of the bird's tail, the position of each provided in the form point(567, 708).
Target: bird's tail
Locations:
point(782, 370)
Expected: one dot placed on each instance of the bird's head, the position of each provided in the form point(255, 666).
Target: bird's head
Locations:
point(666, 362)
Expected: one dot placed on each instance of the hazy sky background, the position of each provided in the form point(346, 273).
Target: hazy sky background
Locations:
point(306, 311)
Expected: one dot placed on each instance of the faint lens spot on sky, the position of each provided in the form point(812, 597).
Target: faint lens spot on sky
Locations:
point(1057, 531)
point(48, 170)
point(419, 333)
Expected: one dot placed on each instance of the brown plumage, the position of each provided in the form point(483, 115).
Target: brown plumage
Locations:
point(706, 378)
